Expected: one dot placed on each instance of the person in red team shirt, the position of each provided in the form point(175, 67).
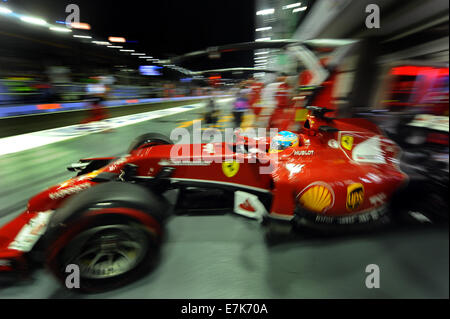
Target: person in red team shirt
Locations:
point(255, 98)
point(96, 91)
point(282, 112)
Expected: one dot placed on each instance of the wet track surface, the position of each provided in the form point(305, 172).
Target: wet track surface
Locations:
point(227, 256)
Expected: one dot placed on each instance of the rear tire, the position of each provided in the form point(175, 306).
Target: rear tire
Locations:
point(149, 139)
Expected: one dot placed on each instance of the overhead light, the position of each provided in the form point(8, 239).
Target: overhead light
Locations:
point(5, 10)
point(331, 42)
point(82, 36)
point(116, 39)
point(264, 29)
point(262, 52)
point(114, 46)
point(299, 9)
point(137, 53)
point(80, 25)
point(59, 29)
point(145, 57)
point(127, 50)
point(292, 5)
point(265, 12)
point(263, 39)
point(32, 20)
point(101, 42)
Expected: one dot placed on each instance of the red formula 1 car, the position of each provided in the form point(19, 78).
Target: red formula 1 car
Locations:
point(109, 219)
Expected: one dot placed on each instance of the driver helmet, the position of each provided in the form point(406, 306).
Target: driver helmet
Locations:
point(282, 141)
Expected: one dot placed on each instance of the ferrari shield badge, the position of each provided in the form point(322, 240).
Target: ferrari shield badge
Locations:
point(347, 142)
point(355, 196)
point(230, 168)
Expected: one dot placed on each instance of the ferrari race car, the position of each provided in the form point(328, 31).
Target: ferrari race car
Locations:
point(109, 219)
point(423, 139)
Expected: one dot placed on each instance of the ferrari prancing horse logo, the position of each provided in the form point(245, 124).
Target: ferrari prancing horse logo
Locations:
point(230, 168)
point(347, 142)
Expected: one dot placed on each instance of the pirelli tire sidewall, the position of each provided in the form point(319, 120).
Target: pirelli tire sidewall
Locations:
point(111, 203)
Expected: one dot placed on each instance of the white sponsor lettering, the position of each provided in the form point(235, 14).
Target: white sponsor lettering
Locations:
point(304, 153)
point(31, 232)
point(377, 199)
point(69, 191)
point(184, 163)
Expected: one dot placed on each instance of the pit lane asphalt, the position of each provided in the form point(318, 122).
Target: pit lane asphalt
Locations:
point(226, 256)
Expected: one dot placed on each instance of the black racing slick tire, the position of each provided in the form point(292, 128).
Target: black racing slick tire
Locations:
point(149, 139)
point(105, 237)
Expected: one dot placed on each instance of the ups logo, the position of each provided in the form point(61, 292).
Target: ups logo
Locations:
point(355, 196)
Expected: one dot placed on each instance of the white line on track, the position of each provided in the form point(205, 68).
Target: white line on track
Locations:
point(18, 143)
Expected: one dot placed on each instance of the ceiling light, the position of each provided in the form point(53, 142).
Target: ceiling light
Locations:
point(264, 29)
point(82, 36)
point(101, 42)
point(299, 9)
point(59, 29)
point(293, 5)
point(116, 39)
point(80, 25)
point(33, 20)
point(265, 12)
point(5, 10)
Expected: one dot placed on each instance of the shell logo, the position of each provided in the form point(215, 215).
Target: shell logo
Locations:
point(318, 197)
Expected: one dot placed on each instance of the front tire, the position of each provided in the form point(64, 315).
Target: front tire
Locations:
point(109, 251)
point(111, 231)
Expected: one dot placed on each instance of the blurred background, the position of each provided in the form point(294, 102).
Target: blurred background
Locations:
point(83, 78)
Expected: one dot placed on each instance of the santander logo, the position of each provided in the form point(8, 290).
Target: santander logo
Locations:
point(247, 206)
